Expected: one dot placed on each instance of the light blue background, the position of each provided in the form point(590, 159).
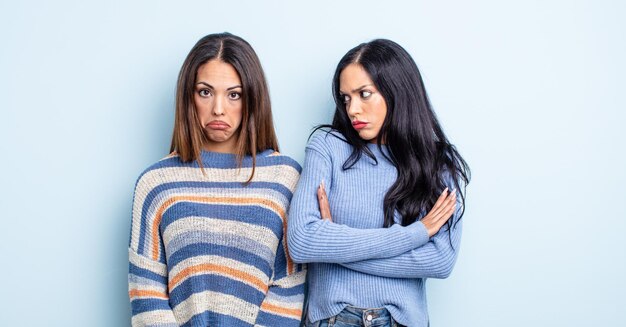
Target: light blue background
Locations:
point(531, 92)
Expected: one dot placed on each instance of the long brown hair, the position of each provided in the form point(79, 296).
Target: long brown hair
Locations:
point(256, 132)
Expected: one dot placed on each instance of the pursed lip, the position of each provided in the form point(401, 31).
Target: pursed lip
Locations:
point(357, 124)
point(218, 124)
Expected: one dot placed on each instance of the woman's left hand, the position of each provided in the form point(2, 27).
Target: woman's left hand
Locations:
point(322, 199)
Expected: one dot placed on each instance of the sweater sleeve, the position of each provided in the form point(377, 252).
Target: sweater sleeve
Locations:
point(435, 259)
point(282, 305)
point(312, 239)
point(283, 302)
point(148, 275)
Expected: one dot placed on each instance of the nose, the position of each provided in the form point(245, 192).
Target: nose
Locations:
point(218, 107)
point(353, 108)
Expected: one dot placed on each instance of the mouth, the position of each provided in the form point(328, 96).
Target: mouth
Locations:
point(357, 124)
point(218, 124)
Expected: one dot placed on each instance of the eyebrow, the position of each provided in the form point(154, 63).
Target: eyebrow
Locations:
point(357, 89)
point(211, 86)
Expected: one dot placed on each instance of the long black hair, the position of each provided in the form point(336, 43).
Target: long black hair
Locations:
point(416, 143)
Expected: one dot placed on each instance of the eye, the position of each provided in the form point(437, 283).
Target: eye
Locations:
point(204, 93)
point(344, 98)
point(365, 94)
point(234, 95)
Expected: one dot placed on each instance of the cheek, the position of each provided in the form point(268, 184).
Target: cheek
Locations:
point(381, 110)
point(377, 111)
point(237, 115)
point(201, 106)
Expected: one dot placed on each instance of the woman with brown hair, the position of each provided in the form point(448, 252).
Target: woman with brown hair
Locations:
point(207, 244)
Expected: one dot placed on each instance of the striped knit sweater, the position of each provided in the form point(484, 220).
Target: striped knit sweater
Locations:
point(353, 260)
point(205, 250)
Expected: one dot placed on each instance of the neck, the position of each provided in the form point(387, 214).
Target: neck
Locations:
point(221, 147)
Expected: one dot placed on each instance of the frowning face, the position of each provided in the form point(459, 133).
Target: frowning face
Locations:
point(365, 106)
point(218, 102)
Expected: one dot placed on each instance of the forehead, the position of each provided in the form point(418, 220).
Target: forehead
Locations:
point(352, 77)
point(217, 72)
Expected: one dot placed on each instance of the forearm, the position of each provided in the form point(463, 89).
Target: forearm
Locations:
point(316, 240)
point(147, 289)
point(312, 239)
point(282, 305)
point(434, 259)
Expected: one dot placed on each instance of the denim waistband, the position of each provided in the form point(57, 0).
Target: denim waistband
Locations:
point(364, 317)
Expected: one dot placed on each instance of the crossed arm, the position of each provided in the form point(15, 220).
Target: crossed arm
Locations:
point(397, 251)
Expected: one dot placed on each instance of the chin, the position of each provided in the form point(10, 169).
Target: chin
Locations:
point(218, 138)
point(367, 137)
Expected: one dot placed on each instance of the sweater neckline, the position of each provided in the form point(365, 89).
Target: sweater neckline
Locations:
point(374, 148)
point(230, 157)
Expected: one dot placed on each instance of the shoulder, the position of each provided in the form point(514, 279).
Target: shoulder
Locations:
point(452, 179)
point(328, 142)
point(152, 176)
point(280, 161)
point(283, 169)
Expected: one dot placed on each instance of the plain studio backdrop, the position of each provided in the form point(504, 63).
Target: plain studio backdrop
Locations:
point(531, 92)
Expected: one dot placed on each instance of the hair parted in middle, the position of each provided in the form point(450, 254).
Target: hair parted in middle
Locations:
point(256, 132)
point(425, 160)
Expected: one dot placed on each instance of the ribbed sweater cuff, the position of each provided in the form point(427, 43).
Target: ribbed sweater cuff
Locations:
point(418, 233)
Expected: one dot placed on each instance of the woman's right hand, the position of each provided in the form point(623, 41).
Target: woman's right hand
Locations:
point(441, 212)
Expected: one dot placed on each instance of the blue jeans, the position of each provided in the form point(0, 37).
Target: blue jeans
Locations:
point(357, 317)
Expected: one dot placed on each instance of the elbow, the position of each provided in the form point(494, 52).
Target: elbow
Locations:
point(297, 257)
point(445, 267)
point(296, 252)
point(441, 273)
point(444, 261)
point(301, 240)
point(444, 273)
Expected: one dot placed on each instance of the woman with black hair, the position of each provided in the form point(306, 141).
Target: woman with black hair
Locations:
point(378, 185)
